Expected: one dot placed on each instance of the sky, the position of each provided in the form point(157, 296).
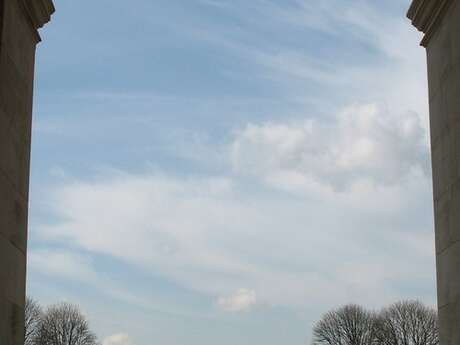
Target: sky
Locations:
point(226, 171)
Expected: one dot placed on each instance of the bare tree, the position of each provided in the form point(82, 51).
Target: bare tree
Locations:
point(408, 323)
point(349, 325)
point(64, 324)
point(33, 314)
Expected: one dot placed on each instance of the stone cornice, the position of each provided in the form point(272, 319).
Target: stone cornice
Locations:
point(38, 12)
point(426, 16)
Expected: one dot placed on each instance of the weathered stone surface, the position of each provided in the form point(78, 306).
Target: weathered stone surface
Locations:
point(448, 324)
point(13, 215)
point(440, 21)
point(19, 21)
point(12, 325)
point(14, 151)
point(12, 272)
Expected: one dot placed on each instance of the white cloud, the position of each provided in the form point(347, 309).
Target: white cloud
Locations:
point(362, 143)
point(118, 339)
point(322, 207)
point(241, 300)
point(352, 180)
point(196, 230)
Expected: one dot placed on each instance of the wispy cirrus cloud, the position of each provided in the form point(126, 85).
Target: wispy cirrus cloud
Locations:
point(260, 157)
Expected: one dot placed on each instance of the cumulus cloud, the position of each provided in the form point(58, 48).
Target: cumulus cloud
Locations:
point(241, 300)
point(118, 339)
point(198, 229)
point(361, 143)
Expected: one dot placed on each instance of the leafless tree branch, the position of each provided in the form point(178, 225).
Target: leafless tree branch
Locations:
point(64, 324)
point(33, 315)
point(349, 325)
point(408, 323)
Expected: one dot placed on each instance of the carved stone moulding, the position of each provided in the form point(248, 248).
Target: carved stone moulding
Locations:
point(38, 12)
point(426, 16)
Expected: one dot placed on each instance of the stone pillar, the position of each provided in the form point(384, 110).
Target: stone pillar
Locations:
point(440, 21)
point(19, 22)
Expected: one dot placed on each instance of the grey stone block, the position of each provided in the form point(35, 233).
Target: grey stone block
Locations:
point(442, 222)
point(438, 124)
point(449, 273)
point(19, 21)
point(440, 21)
point(12, 272)
point(20, 47)
point(15, 153)
point(12, 325)
point(449, 325)
point(13, 215)
point(454, 27)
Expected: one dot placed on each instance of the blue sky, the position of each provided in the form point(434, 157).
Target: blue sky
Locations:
point(214, 171)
